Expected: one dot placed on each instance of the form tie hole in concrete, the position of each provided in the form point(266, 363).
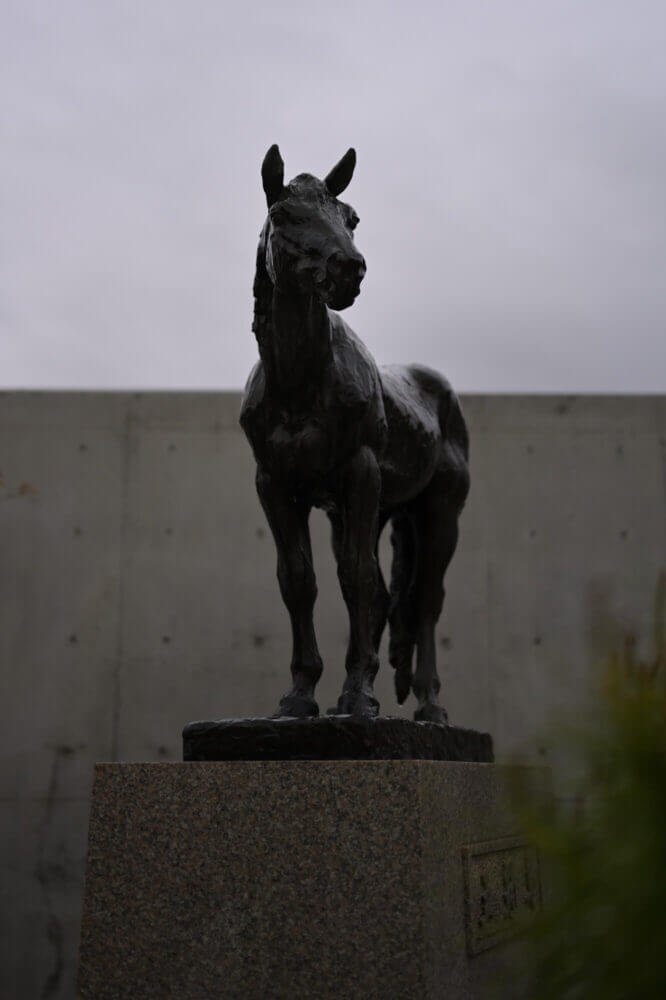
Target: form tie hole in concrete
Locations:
point(73, 640)
point(166, 639)
point(624, 534)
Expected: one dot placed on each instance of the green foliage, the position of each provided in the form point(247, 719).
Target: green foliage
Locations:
point(602, 936)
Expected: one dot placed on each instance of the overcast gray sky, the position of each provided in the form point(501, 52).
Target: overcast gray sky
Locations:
point(511, 184)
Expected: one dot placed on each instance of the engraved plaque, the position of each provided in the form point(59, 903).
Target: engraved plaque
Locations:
point(502, 890)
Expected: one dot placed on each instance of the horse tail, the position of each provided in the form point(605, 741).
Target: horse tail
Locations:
point(402, 615)
point(403, 609)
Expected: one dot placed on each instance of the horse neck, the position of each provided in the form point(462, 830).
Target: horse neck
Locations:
point(300, 344)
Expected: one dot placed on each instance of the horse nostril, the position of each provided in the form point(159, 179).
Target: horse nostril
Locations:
point(356, 267)
point(351, 269)
point(336, 263)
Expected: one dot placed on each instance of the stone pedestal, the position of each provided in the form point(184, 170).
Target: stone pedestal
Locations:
point(303, 879)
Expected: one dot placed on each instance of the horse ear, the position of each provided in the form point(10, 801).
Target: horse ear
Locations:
point(272, 174)
point(341, 174)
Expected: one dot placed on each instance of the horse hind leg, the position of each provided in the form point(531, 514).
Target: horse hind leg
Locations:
point(382, 599)
point(402, 609)
point(437, 527)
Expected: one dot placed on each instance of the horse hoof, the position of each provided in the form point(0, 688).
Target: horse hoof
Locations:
point(431, 713)
point(296, 706)
point(403, 684)
point(359, 704)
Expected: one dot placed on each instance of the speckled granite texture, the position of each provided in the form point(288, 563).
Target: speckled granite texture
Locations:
point(269, 880)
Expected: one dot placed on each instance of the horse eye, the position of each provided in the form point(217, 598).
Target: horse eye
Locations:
point(353, 221)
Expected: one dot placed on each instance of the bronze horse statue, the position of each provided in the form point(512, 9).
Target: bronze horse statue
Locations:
point(330, 429)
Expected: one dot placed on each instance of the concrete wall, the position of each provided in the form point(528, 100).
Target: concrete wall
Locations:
point(137, 593)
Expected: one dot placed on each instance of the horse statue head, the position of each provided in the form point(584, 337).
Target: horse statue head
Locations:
point(308, 237)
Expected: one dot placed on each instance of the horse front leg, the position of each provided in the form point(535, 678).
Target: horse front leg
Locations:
point(357, 529)
point(289, 523)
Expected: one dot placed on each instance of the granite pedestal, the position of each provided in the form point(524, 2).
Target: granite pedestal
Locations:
point(338, 879)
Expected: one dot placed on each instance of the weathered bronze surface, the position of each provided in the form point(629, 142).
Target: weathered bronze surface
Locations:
point(333, 737)
point(330, 429)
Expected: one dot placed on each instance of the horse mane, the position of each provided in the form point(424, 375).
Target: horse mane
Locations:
point(262, 322)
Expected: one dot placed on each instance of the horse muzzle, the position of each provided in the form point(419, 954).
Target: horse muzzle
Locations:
point(345, 272)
